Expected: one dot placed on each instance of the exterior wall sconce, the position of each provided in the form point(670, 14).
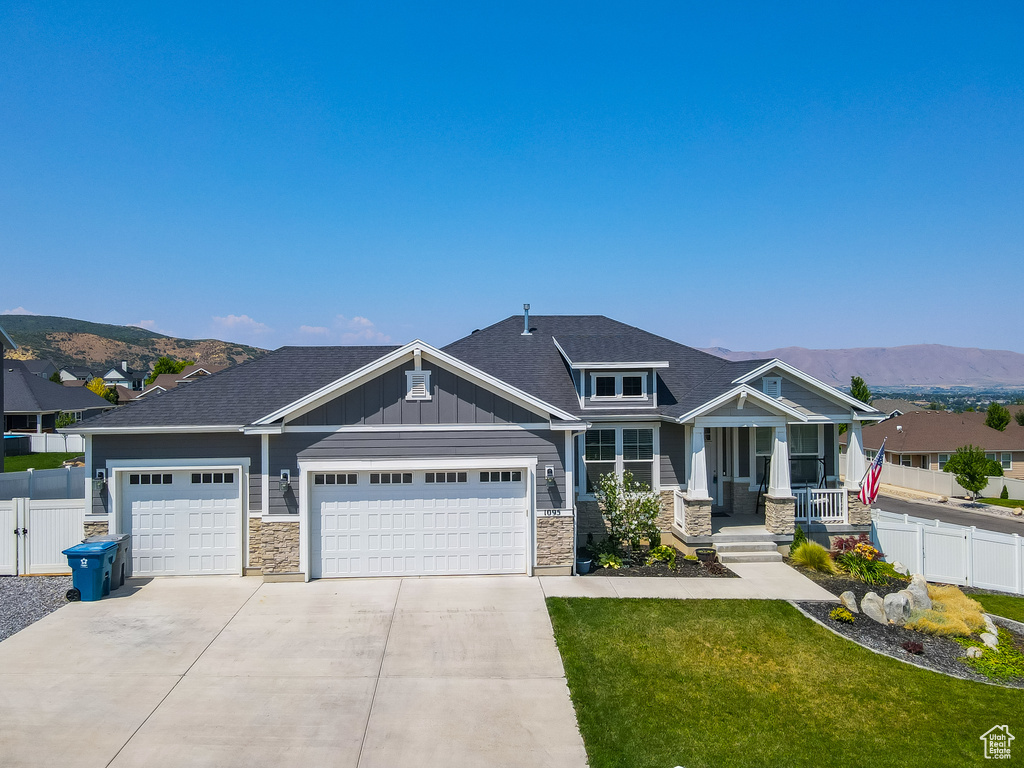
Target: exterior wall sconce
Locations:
point(286, 478)
point(99, 481)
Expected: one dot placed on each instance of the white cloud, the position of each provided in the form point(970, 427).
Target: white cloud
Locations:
point(240, 323)
point(17, 311)
point(314, 330)
point(359, 330)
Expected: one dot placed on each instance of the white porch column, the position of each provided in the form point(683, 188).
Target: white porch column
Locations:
point(856, 465)
point(697, 482)
point(778, 477)
point(39, 423)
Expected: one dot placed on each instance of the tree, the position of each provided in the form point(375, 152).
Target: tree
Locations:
point(1019, 417)
point(64, 419)
point(99, 387)
point(167, 365)
point(972, 469)
point(998, 417)
point(859, 389)
point(55, 378)
point(630, 507)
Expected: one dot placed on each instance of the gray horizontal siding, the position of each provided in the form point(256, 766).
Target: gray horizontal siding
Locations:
point(810, 402)
point(176, 446)
point(673, 454)
point(454, 400)
point(548, 448)
point(749, 410)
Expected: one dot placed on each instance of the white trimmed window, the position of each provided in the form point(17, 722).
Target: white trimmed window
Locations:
point(618, 386)
point(347, 479)
point(1005, 460)
point(943, 458)
point(804, 453)
point(617, 449)
point(417, 385)
point(905, 460)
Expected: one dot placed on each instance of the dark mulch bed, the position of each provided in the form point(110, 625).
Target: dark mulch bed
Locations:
point(686, 569)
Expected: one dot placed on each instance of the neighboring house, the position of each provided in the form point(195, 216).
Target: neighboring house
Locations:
point(44, 369)
point(31, 404)
point(76, 373)
point(926, 439)
point(189, 374)
point(125, 395)
point(5, 343)
point(893, 407)
point(126, 377)
point(480, 457)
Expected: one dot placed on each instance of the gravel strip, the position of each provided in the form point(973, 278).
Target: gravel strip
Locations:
point(26, 599)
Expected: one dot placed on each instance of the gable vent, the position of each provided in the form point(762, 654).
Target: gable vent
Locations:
point(417, 385)
point(772, 386)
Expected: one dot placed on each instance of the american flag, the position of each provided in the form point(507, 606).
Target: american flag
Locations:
point(869, 488)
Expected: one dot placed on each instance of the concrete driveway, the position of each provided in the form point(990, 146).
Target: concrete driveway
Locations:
point(222, 671)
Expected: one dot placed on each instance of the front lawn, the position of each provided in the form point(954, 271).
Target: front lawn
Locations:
point(1011, 503)
point(753, 683)
point(1002, 605)
point(37, 461)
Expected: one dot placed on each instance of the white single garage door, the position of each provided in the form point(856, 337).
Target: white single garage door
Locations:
point(183, 522)
point(418, 523)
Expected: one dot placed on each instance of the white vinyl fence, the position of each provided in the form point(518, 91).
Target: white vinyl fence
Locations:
point(940, 483)
point(55, 443)
point(34, 532)
point(61, 483)
point(952, 554)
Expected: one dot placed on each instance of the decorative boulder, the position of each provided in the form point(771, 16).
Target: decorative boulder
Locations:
point(874, 607)
point(991, 625)
point(897, 608)
point(918, 589)
point(974, 652)
point(989, 639)
point(1018, 511)
point(849, 601)
point(900, 568)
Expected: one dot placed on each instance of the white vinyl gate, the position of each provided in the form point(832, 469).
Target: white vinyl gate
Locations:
point(35, 532)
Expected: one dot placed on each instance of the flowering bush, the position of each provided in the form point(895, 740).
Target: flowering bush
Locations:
point(630, 508)
point(843, 544)
point(865, 550)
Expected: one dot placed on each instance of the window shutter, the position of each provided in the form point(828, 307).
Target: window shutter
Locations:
point(417, 385)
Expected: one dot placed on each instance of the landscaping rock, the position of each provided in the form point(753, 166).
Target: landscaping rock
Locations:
point(991, 625)
point(897, 608)
point(974, 652)
point(900, 568)
point(874, 607)
point(918, 589)
point(849, 600)
point(1018, 511)
point(989, 639)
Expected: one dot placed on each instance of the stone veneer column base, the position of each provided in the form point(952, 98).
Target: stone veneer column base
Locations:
point(780, 514)
point(697, 517)
point(666, 510)
point(859, 512)
point(255, 543)
point(555, 546)
point(96, 528)
point(280, 548)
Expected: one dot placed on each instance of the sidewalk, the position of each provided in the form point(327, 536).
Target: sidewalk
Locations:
point(758, 581)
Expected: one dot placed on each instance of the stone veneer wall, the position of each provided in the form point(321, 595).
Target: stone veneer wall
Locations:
point(280, 546)
point(744, 500)
point(859, 513)
point(667, 511)
point(780, 514)
point(554, 541)
point(255, 542)
point(96, 528)
point(697, 517)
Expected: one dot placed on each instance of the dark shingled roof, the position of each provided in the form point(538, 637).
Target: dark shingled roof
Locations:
point(239, 395)
point(533, 364)
point(24, 392)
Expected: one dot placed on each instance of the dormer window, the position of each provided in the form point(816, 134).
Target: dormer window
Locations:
point(619, 386)
point(772, 386)
point(417, 385)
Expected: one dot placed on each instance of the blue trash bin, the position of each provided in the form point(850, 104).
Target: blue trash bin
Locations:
point(90, 569)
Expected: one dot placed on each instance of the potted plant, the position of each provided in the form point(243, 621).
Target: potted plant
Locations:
point(583, 561)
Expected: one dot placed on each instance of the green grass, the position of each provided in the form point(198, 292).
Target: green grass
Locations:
point(1003, 502)
point(754, 683)
point(36, 461)
point(1002, 605)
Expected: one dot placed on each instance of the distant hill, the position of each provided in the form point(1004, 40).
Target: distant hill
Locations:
point(97, 346)
point(915, 366)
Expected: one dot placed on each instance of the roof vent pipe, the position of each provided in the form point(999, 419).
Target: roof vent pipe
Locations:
point(526, 319)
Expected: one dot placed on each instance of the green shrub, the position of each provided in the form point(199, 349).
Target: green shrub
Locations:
point(841, 614)
point(799, 537)
point(662, 555)
point(690, 558)
point(609, 560)
point(864, 562)
point(813, 556)
point(1004, 494)
point(1004, 662)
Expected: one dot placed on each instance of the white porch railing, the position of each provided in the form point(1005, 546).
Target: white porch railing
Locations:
point(680, 510)
point(821, 505)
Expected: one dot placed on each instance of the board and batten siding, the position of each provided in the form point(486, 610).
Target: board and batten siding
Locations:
point(672, 440)
point(546, 446)
point(454, 400)
point(165, 446)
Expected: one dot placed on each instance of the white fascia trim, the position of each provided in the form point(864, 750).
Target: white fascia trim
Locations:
point(120, 465)
point(796, 373)
point(419, 428)
point(761, 399)
point(314, 399)
point(417, 463)
point(7, 341)
point(628, 366)
point(569, 426)
point(149, 430)
point(270, 429)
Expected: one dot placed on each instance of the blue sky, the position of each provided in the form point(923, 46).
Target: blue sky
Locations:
point(750, 176)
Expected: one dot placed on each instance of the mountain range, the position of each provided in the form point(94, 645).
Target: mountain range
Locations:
point(96, 346)
point(917, 366)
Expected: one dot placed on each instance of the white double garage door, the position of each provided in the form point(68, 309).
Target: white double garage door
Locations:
point(361, 523)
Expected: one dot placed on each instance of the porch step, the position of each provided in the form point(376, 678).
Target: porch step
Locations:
point(756, 551)
point(750, 557)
